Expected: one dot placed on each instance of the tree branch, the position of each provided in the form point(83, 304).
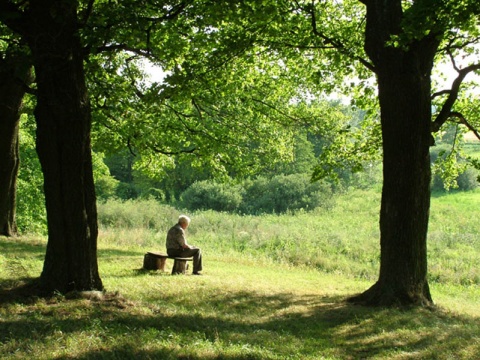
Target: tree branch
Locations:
point(170, 15)
point(125, 47)
point(180, 116)
point(446, 111)
point(262, 102)
point(464, 121)
point(463, 42)
point(336, 43)
point(129, 145)
point(88, 11)
point(170, 153)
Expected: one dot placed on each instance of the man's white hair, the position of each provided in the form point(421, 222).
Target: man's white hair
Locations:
point(183, 219)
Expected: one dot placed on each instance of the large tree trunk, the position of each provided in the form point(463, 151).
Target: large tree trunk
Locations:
point(63, 118)
point(14, 74)
point(404, 92)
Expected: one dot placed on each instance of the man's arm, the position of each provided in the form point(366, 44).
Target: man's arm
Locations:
point(182, 240)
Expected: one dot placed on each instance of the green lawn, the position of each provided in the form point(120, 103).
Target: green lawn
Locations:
point(239, 309)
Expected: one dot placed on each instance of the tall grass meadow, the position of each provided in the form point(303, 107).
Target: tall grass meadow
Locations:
point(343, 239)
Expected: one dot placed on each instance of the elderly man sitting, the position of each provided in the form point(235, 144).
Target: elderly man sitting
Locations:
point(177, 245)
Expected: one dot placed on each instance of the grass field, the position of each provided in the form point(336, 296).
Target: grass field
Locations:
point(273, 288)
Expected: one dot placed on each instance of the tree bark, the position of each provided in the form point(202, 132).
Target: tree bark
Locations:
point(14, 74)
point(403, 76)
point(63, 119)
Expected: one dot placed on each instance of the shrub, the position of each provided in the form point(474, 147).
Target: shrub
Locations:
point(284, 193)
point(205, 195)
point(468, 179)
point(279, 194)
point(451, 172)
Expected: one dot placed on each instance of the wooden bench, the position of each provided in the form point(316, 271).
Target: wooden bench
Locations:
point(157, 261)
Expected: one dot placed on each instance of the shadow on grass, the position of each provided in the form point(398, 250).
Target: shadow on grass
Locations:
point(33, 247)
point(18, 246)
point(283, 324)
point(117, 253)
point(36, 247)
point(127, 354)
point(19, 291)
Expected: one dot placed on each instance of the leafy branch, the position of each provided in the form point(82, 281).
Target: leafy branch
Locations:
point(446, 111)
point(335, 42)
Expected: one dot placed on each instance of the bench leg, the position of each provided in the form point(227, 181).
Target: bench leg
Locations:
point(179, 267)
point(150, 262)
point(153, 262)
point(161, 263)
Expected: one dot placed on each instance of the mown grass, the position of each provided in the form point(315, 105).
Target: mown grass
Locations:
point(273, 288)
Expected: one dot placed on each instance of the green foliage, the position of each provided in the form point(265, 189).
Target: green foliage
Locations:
point(139, 178)
point(234, 93)
point(445, 167)
point(121, 165)
point(352, 149)
point(475, 162)
point(203, 195)
point(283, 193)
point(303, 157)
point(215, 111)
point(468, 180)
point(450, 164)
point(31, 213)
point(279, 194)
point(105, 185)
point(132, 183)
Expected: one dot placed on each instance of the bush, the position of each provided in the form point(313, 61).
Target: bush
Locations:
point(468, 179)
point(285, 193)
point(205, 195)
point(437, 183)
point(279, 194)
point(453, 173)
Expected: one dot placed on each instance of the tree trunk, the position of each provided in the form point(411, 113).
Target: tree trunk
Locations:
point(13, 72)
point(63, 119)
point(404, 93)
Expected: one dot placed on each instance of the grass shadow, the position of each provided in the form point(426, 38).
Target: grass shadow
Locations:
point(309, 324)
point(14, 245)
point(19, 291)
